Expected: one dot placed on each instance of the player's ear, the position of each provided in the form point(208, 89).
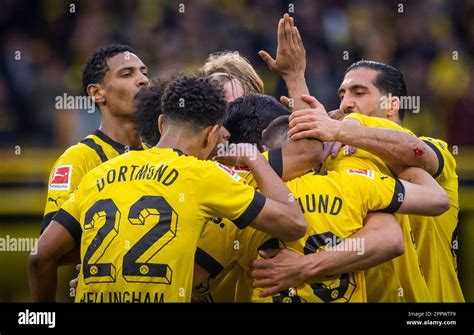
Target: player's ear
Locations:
point(96, 92)
point(161, 121)
point(394, 106)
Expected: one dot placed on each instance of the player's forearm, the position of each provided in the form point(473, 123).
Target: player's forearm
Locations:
point(392, 146)
point(284, 220)
point(296, 86)
point(331, 262)
point(43, 279)
point(423, 195)
point(335, 262)
point(374, 244)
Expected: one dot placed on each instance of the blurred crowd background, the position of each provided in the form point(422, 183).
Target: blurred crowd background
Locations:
point(44, 45)
point(431, 42)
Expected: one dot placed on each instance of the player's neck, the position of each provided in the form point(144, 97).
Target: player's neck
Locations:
point(181, 143)
point(123, 132)
point(395, 119)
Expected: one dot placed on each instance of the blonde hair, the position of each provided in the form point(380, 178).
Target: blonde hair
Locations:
point(228, 65)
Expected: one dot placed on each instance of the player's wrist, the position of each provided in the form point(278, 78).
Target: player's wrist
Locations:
point(291, 78)
point(309, 266)
point(342, 132)
point(253, 160)
point(351, 131)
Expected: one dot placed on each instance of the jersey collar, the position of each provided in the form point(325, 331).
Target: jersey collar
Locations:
point(177, 151)
point(120, 148)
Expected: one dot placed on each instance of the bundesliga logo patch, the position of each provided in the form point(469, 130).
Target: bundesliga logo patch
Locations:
point(367, 173)
point(234, 175)
point(61, 179)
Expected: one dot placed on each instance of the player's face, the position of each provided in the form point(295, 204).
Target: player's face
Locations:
point(233, 89)
point(358, 94)
point(126, 76)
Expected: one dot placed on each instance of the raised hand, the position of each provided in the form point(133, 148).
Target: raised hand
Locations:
point(291, 55)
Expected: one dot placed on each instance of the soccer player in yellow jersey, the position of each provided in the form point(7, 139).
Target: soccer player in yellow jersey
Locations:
point(112, 76)
point(435, 237)
point(239, 78)
point(138, 217)
point(365, 86)
point(247, 117)
point(220, 250)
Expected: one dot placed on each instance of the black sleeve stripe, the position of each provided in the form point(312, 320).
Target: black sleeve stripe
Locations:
point(70, 223)
point(275, 159)
point(208, 263)
point(251, 212)
point(397, 199)
point(46, 221)
point(97, 148)
point(440, 158)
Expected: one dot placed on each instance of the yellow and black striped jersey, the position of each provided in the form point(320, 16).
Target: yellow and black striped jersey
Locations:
point(138, 218)
point(73, 164)
point(224, 251)
point(337, 213)
point(436, 237)
point(400, 279)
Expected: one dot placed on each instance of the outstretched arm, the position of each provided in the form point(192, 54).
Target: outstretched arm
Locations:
point(393, 146)
point(290, 61)
point(423, 194)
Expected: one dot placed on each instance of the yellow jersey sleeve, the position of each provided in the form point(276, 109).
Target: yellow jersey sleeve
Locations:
point(222, 243)
point(225, 252)
point(65, 176)
point(374, 191)
point(446, 162)
point(230, 197)
point(69, 217)
point(217, 246)
point(72, 166)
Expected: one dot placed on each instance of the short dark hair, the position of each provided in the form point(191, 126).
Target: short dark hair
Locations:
point(388, 80)
point(276, 133)
point(194, 100)
point(249, 115)
point(96, 66)
point(147, 110)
